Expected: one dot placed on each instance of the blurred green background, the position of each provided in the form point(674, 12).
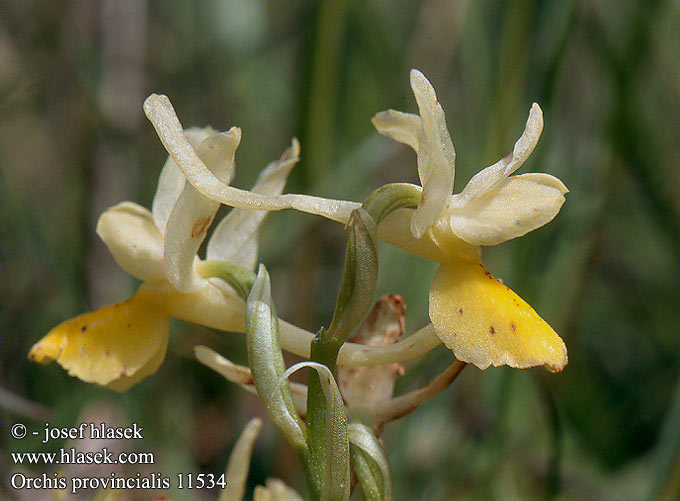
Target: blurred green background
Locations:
point(604, 273)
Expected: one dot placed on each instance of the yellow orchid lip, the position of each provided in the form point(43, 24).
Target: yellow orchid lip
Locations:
point(485, 323)
point(116, 346)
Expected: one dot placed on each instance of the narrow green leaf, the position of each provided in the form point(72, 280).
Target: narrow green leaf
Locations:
point(358, 279)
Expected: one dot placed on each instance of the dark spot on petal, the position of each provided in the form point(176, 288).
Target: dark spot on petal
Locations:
point(513, 327)
point(83, 328)
point(107, 353)
point(129, 325)
point(492, 331)
point(123, 372)
point(460, 312)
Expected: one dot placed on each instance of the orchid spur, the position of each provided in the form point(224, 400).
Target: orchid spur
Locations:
point(120, 344)
point(481, 320)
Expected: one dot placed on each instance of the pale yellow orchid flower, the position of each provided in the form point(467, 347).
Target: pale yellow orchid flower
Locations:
point(119, 345)
point(479, 318)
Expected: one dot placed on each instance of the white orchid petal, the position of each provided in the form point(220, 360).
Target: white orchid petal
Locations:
point(161, 114)
point(193, 213)
point(170, 185)
point(513, 208)
point(128, 231)
point(436, 156)
point(486, 179)
point(400, 126)
point(528, 140)
point(544, 179)
point(171, 180)
point(235, 237)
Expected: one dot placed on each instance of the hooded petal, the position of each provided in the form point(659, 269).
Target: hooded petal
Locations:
point(193, 213)
point(485, 323)
point(116, 346)
point(235, 237)
point(171, 180)
point(485, 180)
point(161, 114)
point(514, 207)
point(400, 126)
point(436, 156)
point(128, 231)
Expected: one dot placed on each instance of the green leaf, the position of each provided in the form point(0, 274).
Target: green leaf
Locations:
point(358, 279)
point(336, 478)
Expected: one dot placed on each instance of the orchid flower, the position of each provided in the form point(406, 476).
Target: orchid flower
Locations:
point(481, 320)
point(120, 344)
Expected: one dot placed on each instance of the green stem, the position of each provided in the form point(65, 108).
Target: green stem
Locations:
point(327, 354)
point(354, 299)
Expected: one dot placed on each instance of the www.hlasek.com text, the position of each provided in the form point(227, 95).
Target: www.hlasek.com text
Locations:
point(73, 456)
